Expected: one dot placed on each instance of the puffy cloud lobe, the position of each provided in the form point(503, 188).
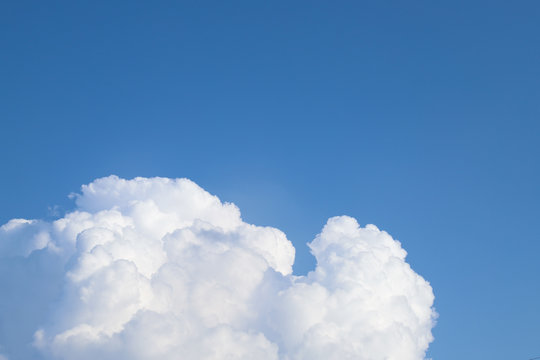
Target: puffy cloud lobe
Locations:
point(161, 269)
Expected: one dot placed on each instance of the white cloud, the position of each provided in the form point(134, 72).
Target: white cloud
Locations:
point(160, 269)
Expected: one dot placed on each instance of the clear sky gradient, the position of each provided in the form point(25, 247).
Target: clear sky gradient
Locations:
point(421, 117)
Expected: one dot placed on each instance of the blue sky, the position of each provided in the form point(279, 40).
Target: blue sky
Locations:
point(419, 117)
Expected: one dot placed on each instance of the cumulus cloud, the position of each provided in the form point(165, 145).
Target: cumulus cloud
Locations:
point(157, 268)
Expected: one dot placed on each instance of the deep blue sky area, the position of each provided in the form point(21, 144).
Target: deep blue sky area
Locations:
point(422, 117)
